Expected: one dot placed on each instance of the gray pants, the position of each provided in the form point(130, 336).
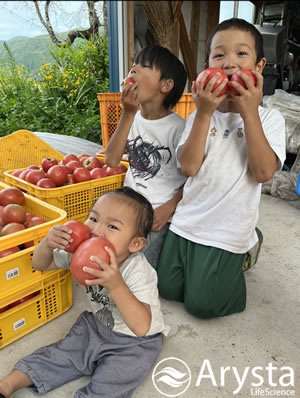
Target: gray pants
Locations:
point(154, 244)
point(117, 363)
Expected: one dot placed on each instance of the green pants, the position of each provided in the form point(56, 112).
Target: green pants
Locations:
point(209, 281)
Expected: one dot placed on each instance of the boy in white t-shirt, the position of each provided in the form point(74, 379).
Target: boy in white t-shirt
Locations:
point(150, 136)
point(118, 342)
point(229, 147)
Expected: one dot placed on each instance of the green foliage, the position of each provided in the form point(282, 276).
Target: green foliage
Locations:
point(30, 52)
point(63, 98)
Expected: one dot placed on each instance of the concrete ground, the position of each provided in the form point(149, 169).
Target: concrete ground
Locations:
point(265, 335)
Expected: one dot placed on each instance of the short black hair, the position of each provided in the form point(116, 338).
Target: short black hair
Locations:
point(238, 24)
point(144, 209)
point(170, 67)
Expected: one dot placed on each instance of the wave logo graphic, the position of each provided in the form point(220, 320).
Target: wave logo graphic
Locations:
point(171, 377)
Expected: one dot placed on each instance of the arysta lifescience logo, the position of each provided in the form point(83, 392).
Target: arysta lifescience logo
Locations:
point(172, 377)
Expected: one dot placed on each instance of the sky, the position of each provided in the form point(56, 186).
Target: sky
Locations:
point(19, 18)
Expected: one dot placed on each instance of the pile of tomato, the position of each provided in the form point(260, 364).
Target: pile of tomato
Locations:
point(14, 217)
point(71, 169)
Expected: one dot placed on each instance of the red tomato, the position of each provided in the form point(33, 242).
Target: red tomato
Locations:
point(47, 163)
point(98, 173)
point(211, 73)
point(46, 183)
point(14, 213)
point(28, 244)
point(11, 228)
point(16, 173)
point(81, 174)
point(1, 219)
point(72, 165)
point(92, 162)
point(7, 252)
point(58, 174)
point(11, 195)
point(24, 173)
point(82, 159)
point(34, 176)
point(124, 168)
point(4, 309)
point(33, 167)
point(127, 80)
point(81, 257)
point(70, 180)
point(34, 221)
point(111, 171)
point(80, 233)
point(238, 79)
point(21, 300)
point(29, 216)
point(70, 156)
point(81, 155)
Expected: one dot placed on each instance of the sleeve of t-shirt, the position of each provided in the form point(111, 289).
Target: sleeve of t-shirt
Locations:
point(142, 282)
point(273, 124)
point(62, 259)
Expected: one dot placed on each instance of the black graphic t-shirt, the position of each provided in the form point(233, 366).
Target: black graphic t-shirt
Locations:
point(151, 146)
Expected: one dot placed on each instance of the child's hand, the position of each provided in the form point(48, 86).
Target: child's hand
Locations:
point(205, 99)
point(249, 99)
point(129, 98)
point(161, 216)
point(108, 275)
point(59, 237)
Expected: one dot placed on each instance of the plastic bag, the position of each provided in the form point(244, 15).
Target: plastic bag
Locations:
point(68, 144)
point(289, 106)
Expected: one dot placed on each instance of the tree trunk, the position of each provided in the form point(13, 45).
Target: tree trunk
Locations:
point(91, 32)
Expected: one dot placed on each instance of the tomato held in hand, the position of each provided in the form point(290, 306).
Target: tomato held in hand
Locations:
point(211, 73)
point(81, 257)
point(238, 79)
point(127, 80)
point(80, 233)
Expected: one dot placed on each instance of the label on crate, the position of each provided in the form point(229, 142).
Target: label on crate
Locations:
point(20, 323)
point(12, 273)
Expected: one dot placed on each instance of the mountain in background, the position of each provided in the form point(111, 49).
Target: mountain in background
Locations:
point(31, 52)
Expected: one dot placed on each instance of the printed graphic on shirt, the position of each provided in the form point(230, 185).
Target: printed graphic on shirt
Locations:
point(145, 158)
point(104, 314)
point(213, 132)
point(226, 133)
point(239, 132)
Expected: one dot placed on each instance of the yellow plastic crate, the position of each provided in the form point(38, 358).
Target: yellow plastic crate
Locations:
point(76, 199)
point(23, 148)
point(16, 268)
point(52, 296)
point(111, 110)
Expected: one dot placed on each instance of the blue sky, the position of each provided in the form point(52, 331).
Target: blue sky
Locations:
point(19, 18)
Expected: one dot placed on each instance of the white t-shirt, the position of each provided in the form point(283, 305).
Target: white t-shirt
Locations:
point(140, 277)
point(220, 204)
point(151, 146)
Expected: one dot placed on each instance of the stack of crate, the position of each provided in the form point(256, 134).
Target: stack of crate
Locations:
point(30, 298)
